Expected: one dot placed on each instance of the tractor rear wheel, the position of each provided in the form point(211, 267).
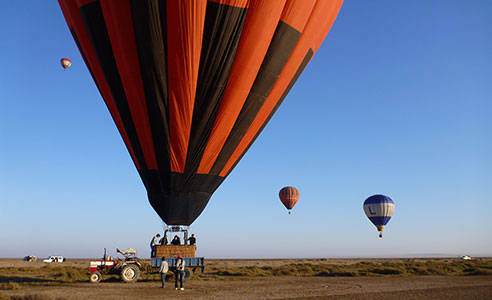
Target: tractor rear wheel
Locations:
point(130, 273)
point(187, 274)
point(95, 277)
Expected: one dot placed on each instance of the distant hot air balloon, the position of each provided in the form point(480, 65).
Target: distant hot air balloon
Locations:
point(379, 209)
point(191, 84)
point(65, 62)
point(289, 196)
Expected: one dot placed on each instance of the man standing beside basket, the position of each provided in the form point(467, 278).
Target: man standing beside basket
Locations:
point(163, 271)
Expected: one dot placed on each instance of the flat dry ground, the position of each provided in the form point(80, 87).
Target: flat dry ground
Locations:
point(284, 287)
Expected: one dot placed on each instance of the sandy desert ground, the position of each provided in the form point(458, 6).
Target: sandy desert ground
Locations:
point(250, 287)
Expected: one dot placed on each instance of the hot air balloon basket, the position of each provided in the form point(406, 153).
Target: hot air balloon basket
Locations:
point(175, 250)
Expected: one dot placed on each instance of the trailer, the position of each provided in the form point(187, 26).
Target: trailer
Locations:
point(192, 264)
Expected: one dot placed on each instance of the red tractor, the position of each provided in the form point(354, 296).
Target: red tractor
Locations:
point(129, 268)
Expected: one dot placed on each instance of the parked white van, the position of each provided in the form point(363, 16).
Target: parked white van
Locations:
point(54, 258)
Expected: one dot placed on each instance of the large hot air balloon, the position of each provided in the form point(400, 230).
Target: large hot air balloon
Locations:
point(65, 62)
point(191, 84)
point(289, 196)
point(379, 209)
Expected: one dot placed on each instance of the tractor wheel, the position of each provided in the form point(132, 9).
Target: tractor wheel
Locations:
point(95, 277)
point(130, 273)
point(187, 274)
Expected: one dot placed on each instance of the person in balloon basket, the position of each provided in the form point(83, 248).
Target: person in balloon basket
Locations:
point(153, 242)
point(163, 241)
point(163, 271)
point(176, 240)
point(180, 267)
point(192, 240)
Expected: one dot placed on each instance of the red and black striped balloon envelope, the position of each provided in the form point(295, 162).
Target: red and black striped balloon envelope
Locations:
point(191, 84)
point(289, 196)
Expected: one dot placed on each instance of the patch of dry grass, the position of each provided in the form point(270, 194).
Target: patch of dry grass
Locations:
point(9, 286)
point(478, 271)
point(16, 278)
point(47, 275)
point(4, 297)
point(364, 268)
point(35, 297)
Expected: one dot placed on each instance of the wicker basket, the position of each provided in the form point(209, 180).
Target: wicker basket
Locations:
point(175, 250)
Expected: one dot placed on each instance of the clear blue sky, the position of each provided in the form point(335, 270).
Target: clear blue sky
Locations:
point(398, 101)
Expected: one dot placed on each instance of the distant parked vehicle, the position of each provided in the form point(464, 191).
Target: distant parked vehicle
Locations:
point(466, 257)
point(54, 258)
point(29, 258)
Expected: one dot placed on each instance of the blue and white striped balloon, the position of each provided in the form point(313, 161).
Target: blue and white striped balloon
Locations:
point(379, 209)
